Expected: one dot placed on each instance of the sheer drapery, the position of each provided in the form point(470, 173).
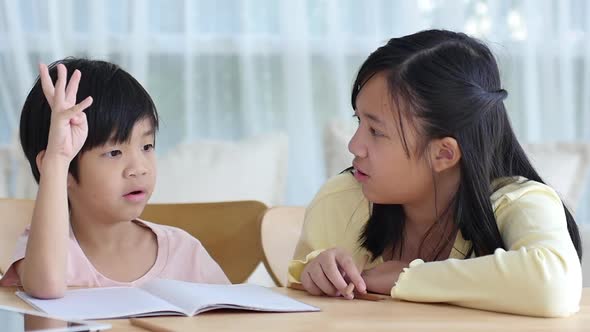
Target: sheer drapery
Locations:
point(231, 69)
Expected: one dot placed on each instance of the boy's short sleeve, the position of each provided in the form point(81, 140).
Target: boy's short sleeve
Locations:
point(11, 278)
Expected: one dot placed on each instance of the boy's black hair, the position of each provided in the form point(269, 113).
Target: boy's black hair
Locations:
point(119, 102)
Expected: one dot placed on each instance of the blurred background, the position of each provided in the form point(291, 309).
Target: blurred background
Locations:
point(256, 93)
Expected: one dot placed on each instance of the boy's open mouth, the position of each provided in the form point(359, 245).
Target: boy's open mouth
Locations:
point(135, 196)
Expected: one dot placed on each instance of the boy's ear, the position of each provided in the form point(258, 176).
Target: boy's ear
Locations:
point(39, 160)
point(444, 154)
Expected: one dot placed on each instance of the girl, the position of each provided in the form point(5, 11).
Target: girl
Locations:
point(441, 204)
point(96, 171)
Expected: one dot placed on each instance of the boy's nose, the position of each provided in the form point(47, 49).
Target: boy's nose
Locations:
point(135, 171)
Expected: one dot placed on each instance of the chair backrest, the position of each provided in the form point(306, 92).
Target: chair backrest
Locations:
point(230, 231)
point(15, 215)
point(280, 230)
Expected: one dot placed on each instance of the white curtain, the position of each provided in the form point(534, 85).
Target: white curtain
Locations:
point(229, 69)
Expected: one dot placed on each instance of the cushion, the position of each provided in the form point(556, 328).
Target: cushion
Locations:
point(208, 170)
point(563, 166)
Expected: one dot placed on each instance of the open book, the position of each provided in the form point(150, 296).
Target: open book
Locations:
point(164, 297)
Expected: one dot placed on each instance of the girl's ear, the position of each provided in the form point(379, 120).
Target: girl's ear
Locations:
point(444, 154)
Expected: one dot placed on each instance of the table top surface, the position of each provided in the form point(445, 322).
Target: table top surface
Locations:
point(356, 315)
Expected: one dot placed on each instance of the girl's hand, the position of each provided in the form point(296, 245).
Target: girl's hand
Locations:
point(69, 127)
point(325, 275)
point(383, 277)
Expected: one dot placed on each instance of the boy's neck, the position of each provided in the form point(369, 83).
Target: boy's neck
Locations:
point(106, 234)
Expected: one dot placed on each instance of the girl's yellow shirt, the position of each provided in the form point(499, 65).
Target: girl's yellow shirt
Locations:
point(539, 274)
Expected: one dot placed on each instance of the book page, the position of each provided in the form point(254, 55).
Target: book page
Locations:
point(195, 298)
point(103, 303)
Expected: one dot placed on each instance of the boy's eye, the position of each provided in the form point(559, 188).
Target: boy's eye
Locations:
point(113, 153)
point(148, 147)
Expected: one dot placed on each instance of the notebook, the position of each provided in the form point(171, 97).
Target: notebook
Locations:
point(163, 297)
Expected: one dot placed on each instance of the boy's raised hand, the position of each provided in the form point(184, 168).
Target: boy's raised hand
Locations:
point(69, 127)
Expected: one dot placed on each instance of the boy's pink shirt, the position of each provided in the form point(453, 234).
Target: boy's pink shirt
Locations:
point(180, 257)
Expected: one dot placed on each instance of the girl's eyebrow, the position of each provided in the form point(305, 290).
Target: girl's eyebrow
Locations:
point(371, 117)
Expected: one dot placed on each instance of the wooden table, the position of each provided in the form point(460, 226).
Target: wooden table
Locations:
point(357, 315)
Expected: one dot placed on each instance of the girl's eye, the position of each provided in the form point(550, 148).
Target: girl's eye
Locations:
point(358, 119)
point(113, 153)
point(375, 132)
point(148, 147)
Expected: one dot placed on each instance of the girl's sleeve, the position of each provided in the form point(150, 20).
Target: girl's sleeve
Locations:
point(332, 219)
point(539, 274)
point(313, 240)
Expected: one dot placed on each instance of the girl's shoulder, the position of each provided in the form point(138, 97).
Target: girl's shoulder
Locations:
point(340, 200)
point(512, 189)
point(343, 183)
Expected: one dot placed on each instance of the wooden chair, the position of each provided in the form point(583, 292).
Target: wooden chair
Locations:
point(280, 230)
point(230, 231)
point(15, 215)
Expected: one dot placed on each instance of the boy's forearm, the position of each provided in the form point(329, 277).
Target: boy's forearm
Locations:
point(44, 266)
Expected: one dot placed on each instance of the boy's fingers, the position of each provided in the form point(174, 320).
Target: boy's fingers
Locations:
point(78, 108)
point(78, 119)
point(46, 83)
point(72, 88)
point(60, 84)
point(84, 104)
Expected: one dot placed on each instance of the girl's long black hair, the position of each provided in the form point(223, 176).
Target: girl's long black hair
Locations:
point(450, 82)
